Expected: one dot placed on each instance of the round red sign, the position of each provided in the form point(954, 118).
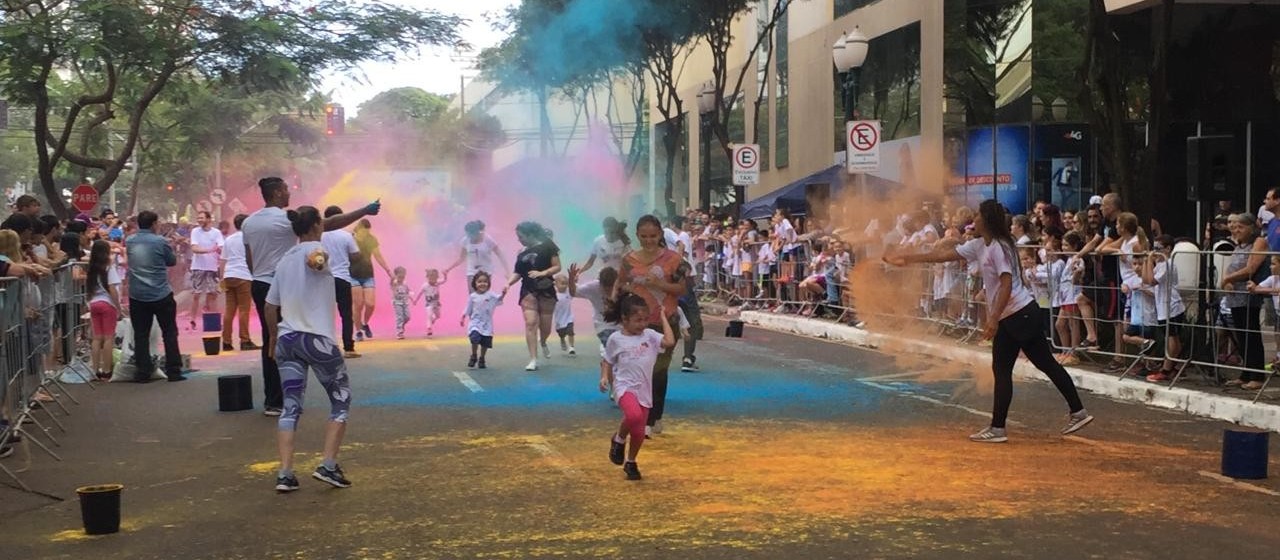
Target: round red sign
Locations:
point(84, 198)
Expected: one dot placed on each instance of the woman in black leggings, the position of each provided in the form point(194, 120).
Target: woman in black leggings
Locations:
point(1013, 320)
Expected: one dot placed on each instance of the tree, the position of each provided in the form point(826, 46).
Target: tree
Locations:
point(124, 54)
point(409, 127)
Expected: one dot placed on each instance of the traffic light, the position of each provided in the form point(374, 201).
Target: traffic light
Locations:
point(169, 187)
point(334, 119)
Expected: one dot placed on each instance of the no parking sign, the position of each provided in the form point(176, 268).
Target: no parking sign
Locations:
point(863, 146)
point(746, 164)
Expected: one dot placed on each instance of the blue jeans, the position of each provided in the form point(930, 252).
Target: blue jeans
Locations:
point(833, 289)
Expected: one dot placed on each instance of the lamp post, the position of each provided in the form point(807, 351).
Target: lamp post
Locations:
point(706, 111)
point(849, 53)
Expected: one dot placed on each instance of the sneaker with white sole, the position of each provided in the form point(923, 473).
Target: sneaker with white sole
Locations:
point(657, 427)
point(1077, 420)
point(546, 351)
point(332, 476)
point(572, 351)
point(272, 411)
point(532, 366)
point(990, 435)
point(1147, 345)
point(286, 483)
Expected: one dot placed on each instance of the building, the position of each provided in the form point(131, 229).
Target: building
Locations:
point(981, 99)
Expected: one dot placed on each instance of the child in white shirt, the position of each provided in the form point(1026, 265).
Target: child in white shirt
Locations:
point(429, 293)
point(627, 371)
point(480, 307)
point(562, 315)
point(1171, 312)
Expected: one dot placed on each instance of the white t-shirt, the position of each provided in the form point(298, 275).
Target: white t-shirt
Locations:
point(786, 233)
point(430, 294)
point(609, 254)
point(100, 293)
point(632, 359)
point(563, 314)
point(480, 309)
point(480, 255)
point(206, 240)
point(1265, 215)
point(298, 289)
point(993, 262)
point(1169, 301)
point(592, 292)
point(1271, 282)
point(1127, 272)
point(233, 255)
point(670, 238)
point(269, 235)
point(340, 245)
point(687, 239)
point(1066, 289)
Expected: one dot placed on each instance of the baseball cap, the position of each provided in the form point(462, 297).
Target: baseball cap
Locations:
point(1095, 199)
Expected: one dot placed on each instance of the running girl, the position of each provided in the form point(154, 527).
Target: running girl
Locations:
point(400, 300)
point(1012, 321)
point(478, 251)
point(305, 339)
point(480, 306)
point(430, 295)
point(563, 314)
point(104, 307)
point(597, 292)
point(628, 366)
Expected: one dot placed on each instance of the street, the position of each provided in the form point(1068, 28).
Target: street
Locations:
point(782, 447)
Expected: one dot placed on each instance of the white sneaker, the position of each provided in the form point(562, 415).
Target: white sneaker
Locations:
point(564, 346)
point(657, 427)
point(546, 351)
point(572, 352)
point(648, 431)
point(533, 366)
point(990, 435)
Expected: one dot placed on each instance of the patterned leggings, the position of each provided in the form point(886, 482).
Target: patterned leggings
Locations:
point(297, 351)
point(402, 316)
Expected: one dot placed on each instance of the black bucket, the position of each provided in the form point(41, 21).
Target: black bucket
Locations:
point(1244, 454)
point(100, 508)
point(212, 345)
point(235, 392)
point(734, 330)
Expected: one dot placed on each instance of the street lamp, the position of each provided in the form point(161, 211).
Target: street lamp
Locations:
point(706, 111)
point(849, 53)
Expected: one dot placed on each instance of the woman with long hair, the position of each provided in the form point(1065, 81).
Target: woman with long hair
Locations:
point(1014, 320)
point(103, 286)
point(363, 294)
point(610, 246)
point(535, 270)
point(658, 275)
point(478, 251)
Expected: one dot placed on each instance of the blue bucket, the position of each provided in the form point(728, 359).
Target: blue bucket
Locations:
point(213, 322)
point(1244, 454)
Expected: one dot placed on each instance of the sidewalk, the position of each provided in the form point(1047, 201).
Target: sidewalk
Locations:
point(1192, 401)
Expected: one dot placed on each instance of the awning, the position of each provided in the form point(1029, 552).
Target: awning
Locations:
point(792, 196)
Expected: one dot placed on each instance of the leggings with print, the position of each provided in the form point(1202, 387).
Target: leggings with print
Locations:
point(298, 351)
point(402, 316)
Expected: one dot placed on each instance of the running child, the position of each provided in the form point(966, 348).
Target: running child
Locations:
point(596, 292)
point(400, 300)
point(562, 316)
point(430, 295)
point(305, 339)
point(630, 355)
point(480, 307)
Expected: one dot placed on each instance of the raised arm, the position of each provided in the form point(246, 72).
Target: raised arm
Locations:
point(343, 220)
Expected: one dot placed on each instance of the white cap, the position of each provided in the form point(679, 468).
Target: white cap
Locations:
point(1095, 199)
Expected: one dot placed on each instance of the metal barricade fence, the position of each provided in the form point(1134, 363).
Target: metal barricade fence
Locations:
point(41, 344)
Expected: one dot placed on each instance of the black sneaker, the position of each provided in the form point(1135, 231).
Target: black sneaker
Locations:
point(332, 476)
point(246, 346)
point(272, 411)
point(633, 471)
point(480, 364)
point(616, 451)
point(227, 347)
point(368, 333)
point(286, 483)
point(688, 365)
point(471, 362)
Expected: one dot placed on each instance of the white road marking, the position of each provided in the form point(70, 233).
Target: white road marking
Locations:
point(543, 447)
point(467, 381)
point(889, 376)
point(1238, 484)
point(931, 400)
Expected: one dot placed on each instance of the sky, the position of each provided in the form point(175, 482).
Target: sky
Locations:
point(436, 70)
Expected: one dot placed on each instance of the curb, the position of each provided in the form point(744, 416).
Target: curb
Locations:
point(1198, 403)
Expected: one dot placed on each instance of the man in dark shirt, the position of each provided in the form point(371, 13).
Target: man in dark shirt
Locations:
point(1108, 302)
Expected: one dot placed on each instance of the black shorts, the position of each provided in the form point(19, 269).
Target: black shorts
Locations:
point(1173, 327)
point(1107, 304)
point(481, 340)
point(1143, 331)
point(566, 331)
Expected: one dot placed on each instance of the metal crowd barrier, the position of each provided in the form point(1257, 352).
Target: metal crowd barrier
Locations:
point(44, 337)
point(951, 302)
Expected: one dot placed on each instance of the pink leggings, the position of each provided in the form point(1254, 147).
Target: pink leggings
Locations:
point(634, 418)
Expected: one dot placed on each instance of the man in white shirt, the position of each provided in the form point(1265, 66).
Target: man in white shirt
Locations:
point(236, 282)
point(341, 246)
point(206, 244)
point(268, 235)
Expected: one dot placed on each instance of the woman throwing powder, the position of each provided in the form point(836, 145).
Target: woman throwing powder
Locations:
point(1014, 320)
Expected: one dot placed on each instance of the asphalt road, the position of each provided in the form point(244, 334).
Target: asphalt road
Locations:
point(782, 447)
